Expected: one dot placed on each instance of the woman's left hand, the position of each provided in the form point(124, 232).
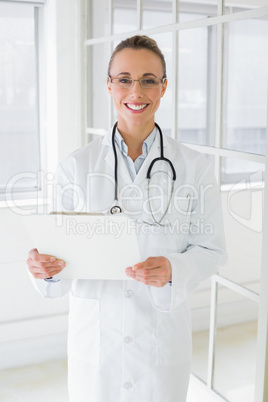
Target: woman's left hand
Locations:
point(155, 271)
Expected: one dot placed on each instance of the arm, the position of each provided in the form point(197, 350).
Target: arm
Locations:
point(204, 253)
point(41, 267)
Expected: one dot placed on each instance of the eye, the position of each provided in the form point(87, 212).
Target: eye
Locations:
point(125, 81)
point(150, 81)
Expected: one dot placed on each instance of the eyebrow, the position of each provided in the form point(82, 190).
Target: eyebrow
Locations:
point(144, 75)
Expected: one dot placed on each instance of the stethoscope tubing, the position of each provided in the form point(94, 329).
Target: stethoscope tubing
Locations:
point(116, 208)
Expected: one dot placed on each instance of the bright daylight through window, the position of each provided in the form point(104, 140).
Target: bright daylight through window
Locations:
point(19, 110)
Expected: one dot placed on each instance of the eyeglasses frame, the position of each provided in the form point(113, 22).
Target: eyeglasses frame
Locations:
point(161, 81)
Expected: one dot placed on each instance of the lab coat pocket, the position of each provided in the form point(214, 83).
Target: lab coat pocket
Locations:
point(84, 330)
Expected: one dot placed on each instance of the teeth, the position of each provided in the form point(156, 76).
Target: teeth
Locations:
point(136, 107)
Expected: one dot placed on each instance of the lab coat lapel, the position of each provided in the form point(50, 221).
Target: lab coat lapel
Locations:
point(123, 173)
point(153, 153)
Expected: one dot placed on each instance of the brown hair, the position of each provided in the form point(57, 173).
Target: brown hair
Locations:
point(139, 42)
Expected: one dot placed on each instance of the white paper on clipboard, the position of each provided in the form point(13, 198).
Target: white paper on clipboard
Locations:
point(93, 246)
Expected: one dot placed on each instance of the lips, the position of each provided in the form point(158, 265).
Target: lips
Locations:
point(136, 107)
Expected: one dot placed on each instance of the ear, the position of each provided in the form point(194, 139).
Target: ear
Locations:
point(109, 86)
point(164, 87)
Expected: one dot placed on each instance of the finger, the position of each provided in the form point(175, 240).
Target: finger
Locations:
point(45, 273)
point(156, 281)
point(129, 272)
point(45, 265)
point(150, 263)
point(35, 256)
point(147, 276)
point(44, 268)
point(160, 272)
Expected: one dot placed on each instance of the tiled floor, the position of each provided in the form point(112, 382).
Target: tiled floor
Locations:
point(235, 350)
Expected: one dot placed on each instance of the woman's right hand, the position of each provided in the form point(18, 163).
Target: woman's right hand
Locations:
point(43, 266)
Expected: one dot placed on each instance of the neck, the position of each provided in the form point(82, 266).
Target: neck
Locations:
point(134, 137)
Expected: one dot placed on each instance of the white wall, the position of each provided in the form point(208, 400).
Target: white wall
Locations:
point(31, 328)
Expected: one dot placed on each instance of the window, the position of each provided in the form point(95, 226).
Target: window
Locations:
point(245, 95)
point(19, 98)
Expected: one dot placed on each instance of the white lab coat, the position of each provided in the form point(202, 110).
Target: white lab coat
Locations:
point(129, 342)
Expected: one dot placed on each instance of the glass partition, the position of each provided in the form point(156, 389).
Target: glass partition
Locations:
point(196, 86)
point(156, 13)
point(200, 307)
point(235, 350)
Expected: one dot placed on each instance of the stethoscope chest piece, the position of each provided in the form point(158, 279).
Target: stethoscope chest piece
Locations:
point(116, 209)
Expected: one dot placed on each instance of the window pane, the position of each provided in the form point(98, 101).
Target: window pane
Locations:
point(245, 105)
point(124, 18)
point(157, 13)
point(19, 128)
point(200, 308)
point(242, 212)
point(189, 10)
point(234, 170)
point(196, 87)
point(233, 6)
point(236, 338)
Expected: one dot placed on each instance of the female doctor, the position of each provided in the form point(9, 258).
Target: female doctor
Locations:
point(130, 340)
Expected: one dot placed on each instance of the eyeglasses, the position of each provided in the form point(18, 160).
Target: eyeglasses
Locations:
point(124, 82)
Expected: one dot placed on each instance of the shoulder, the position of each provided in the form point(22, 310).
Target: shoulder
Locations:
point(86, 152)
point(186, 153)
point(83, 159)
point(94, 146)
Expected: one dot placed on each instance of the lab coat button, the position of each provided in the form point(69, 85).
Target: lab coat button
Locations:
point(128, 385)
point(129, 293)
point(128, 339)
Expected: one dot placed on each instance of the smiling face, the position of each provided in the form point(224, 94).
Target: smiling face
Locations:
point(136, 106)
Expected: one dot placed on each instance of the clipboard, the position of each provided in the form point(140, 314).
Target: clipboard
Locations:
point(94, 246)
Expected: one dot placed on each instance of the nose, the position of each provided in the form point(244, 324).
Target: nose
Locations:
point(136, 89)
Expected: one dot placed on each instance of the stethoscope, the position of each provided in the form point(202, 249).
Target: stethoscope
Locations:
point(116, 208)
